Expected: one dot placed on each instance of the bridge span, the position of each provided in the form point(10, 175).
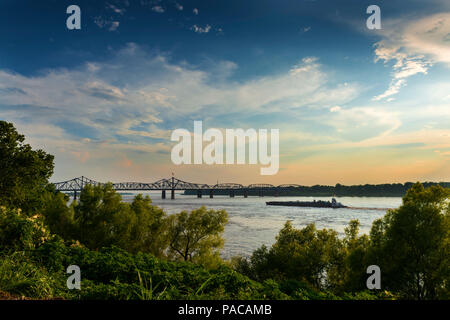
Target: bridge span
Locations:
point(172, 184)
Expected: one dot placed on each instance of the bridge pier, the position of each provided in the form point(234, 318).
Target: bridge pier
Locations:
point(211, 193)
point(74, 195)
point(261, 193)
point(163, 194)
point(172, 194)
point(231, 193)
point(199, 193)
point(245, 193)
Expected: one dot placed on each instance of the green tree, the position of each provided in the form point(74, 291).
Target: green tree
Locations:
point(58, 215)
point(411, 244)
point(95, 213)
point(305, 255)
point(24, 172)
point(197, 236)
point(351, 276)
point(102, 219)
point(142, 227)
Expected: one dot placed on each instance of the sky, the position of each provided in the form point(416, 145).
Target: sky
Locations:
point(352, 105)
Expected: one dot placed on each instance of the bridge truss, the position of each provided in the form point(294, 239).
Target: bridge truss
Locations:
point(77, 184)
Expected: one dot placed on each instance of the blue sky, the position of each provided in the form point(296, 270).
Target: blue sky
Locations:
point(353, 105)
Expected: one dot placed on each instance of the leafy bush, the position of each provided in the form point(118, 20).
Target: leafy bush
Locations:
point(21, 232)
point(20, 275)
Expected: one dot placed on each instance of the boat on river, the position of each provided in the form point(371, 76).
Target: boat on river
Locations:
point(312, 204)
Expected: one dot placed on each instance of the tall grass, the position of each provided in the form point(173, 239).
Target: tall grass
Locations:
point(20, 276)
point(146, 289)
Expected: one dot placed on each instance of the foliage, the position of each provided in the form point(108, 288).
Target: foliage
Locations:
point(113, 273)
point(20, 275)
point(147, 224)
point(24, 172)
point(102, 219)
point(304, 255)
point(196, 236)
point(412, 244)
point(58, 216)
point(20, 232)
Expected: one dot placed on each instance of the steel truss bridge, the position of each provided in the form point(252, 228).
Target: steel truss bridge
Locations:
point(171, 184)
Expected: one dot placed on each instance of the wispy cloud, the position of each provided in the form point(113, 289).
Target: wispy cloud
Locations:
point(116, 9)
point(110, 24)
point(131, 102)
point(305, 29)
point(158, 9)
point(114, 25)
point(178, 6)
point(199, 29)
point(414, 46)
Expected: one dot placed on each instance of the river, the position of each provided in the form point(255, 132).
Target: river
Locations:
point(252, 223)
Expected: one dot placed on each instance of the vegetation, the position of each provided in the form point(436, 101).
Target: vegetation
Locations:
point(197, 236)
point(339, 190)
point(410, 244)
point(136, 251)
point(23, 172)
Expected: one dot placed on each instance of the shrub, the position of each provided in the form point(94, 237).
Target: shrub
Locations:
point(20, 275)
point(20, 232)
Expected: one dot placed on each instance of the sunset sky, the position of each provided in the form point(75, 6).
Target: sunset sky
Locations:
point(353, 105)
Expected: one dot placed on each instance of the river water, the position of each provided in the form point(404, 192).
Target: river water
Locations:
point(252, 223)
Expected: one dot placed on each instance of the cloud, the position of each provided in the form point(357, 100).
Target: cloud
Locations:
point(429, 36)
point(115, 9)
point(195, 11)
point(393, 89)
point(158, 9)
point(305, 29)
point(414, 45)
point(125, 163)
point(198, 29)
point(361, 123)
point(102, 91)
point(83, 156)
point(129, 104)
point(109, 23)
point(406, 65)
point(443, 153)
point(335, 109)
point(135, 82)
point(178, 6)
point(114, 25)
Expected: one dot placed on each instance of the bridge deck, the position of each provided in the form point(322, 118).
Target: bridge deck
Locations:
point(77, 184)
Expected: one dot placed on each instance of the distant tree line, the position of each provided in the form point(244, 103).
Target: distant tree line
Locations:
point(339, 190)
